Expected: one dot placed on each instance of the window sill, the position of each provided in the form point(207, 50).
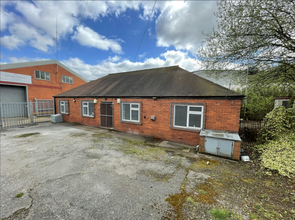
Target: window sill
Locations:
point(187, 129)
point(131, 122)
point(85, 116)
point(44, 79)
point(64, 113)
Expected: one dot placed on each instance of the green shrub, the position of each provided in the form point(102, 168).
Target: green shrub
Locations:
point(278, 155)
point(279, 121)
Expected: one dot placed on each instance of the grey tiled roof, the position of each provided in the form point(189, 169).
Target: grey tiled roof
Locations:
point(159, 82)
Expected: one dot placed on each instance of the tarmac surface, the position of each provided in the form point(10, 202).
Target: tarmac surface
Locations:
point(72, 171)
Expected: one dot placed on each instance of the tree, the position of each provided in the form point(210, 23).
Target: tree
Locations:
point(260, 98)
point(253, 33)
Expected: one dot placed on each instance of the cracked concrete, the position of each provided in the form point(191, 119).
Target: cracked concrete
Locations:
point(67, 173)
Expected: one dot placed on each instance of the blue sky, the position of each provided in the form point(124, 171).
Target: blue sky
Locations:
point(106, 38)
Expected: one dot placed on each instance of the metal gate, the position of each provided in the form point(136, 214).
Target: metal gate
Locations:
point(18, 114)
point(43, 107)
point(106, 114)
point(15, 114)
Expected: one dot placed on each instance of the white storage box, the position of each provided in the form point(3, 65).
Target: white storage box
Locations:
point(56, 118)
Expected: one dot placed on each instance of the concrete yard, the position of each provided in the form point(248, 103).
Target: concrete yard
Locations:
point(68, 173)
point(71, 171)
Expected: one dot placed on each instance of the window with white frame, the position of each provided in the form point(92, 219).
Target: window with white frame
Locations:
point(42, 75)
point(67, 79)
point(64, 107)
point(88, 109)
point(131, 112)
point(188, 116)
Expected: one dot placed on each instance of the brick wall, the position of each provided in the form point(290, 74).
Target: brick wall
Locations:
point(42, 89)
point(220, 115)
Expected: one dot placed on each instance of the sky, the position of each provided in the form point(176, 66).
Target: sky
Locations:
point(96, 38)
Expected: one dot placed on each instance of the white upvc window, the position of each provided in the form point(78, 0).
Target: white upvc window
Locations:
point(131, 112)
point(42, 75)
point(67, 79)
point(88, 109)
point(64, 107)
point(188, 116)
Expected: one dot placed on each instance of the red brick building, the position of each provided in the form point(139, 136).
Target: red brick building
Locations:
point(167, 103)
point(23, 82)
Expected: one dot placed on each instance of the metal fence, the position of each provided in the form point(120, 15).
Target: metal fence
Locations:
point(249, 130)
point(20, 114)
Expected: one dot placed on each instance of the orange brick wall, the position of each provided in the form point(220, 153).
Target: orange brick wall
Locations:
point(202, 145)
point(42, 89)
point(220, 115)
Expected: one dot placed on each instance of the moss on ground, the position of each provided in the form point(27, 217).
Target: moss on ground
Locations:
point(156, 175)
point(142, 150)
point(101, 135)
point(78, 134)
point(201, 163)
point(241, 188)
point(27, 135)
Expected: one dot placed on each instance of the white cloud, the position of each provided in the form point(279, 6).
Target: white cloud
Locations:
point(24, 59)
point(181, 24)
point(42, 16)
point(142, 55)
point(88, 37)
point(22, 32)
point(11, 42)
point(111, 65)
point(5, 18)
point(119, 7)
point(114, 58)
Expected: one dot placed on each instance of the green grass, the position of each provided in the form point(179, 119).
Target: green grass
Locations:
point(202, 191)
point(220, 214)
point(19, 195)
point(252, 216)
point(190, 200)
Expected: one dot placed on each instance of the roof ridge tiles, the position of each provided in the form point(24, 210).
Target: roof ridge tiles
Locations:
point(142, 70)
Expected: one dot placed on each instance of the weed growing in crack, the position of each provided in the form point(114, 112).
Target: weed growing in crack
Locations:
point(19, 195)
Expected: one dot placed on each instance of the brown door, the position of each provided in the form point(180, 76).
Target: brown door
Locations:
point(106, 114)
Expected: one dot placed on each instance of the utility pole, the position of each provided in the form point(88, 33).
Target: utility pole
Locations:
point(56, 45)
